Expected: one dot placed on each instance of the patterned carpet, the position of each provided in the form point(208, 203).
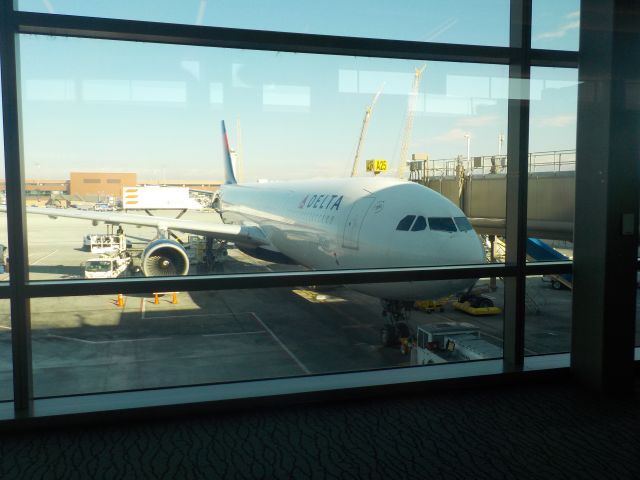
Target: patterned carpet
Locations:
point(535, 431)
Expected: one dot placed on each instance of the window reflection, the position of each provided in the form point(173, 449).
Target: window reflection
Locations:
point(105, 343)
point(435, 21)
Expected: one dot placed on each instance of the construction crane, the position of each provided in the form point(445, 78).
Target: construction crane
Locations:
point(363, 132)
point(411, 106)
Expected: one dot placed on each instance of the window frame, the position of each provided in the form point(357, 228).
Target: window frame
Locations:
point(519, 56)
point(421, 227)
point(410, 219)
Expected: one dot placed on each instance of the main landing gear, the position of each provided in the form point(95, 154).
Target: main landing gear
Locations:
point(396, 314)
point(215, 252)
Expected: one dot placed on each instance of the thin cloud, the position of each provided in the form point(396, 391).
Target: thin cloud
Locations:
point(561, 31)
point(48, 6)
point(557, 121)
point(477, 121)
point(452, 135)
point(440, 29)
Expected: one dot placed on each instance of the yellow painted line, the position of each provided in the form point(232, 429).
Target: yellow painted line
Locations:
point(315, 297)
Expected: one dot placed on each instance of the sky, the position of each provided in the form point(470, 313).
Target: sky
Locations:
point(96, 105)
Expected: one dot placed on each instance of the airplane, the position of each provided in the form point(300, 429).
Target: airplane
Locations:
point(324, 224)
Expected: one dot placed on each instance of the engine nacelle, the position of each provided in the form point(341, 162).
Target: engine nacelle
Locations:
point(164, 257)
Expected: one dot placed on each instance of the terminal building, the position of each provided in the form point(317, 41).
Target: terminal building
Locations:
point(504, 412)
point(96, 187)
point(99, 183)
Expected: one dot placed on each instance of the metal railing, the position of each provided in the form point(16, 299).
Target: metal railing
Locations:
point(550, 161)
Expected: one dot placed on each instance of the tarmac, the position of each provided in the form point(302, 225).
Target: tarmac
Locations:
point(90, 344)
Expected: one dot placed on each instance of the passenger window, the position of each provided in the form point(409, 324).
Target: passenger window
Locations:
point(463, 224)
point(442, 224)
point(420, 224)
point(405, 223)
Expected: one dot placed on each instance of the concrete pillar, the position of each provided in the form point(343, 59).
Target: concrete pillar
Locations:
point(606, 210)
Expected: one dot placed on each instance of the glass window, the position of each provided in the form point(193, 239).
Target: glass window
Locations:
point(103, 343)
point(6, 356)
point(548, 314)
point(552, 163)
point(638, 310)
point(420, 224)
point(463, 224)
point(443, 224)
point(405, 223)
point(4, 240)
point(83, 102)
point(474, 22)
point(555, 25)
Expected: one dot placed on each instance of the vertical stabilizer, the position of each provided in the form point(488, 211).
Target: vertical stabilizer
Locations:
point(229, 174)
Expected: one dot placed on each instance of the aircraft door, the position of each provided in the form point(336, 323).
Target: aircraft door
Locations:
point(353, 225)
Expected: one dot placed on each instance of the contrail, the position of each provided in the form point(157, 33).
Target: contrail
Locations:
point(47, 4)
point(201, 9)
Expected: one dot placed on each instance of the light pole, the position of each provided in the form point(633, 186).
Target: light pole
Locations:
point(468, 137)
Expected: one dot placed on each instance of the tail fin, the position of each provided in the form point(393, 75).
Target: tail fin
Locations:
point(229, 174)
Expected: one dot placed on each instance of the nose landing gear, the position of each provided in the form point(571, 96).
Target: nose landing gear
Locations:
point(396, 314)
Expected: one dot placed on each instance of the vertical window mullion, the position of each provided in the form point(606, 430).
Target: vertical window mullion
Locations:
point(16, 215)
point(517, 178)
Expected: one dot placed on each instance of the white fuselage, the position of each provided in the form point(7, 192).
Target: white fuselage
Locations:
point(352, 223)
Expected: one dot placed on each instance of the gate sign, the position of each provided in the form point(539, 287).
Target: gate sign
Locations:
point(376, 166)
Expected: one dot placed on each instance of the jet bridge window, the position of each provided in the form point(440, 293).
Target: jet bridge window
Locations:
point(405, 223)
point(419, 224)
point(463, 224)
point(442, 224)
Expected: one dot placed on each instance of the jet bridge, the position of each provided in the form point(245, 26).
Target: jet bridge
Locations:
point(483, 200)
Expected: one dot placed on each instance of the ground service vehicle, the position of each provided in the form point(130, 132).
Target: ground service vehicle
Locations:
point(107, 266)
point(99, 243)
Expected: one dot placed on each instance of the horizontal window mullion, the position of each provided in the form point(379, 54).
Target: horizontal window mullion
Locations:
point(260, 280)
point(554, 58)
point(548, 268)
point(145, 31)
point(159, 32)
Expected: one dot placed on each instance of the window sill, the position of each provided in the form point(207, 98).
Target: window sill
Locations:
point(278, 392)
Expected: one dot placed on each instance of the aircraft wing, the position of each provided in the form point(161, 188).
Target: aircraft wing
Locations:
point(249, 235)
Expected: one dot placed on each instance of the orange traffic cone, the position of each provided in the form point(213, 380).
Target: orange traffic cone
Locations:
point(120, 300)
point(174, 298)
point(156, 298)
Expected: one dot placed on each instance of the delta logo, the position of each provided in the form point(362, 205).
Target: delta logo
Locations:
point(321, 201)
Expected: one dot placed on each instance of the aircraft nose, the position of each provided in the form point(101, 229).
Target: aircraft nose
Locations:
point(462, 249)
point(474, 251)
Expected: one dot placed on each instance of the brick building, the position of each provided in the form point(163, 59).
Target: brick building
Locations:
point(100, 183)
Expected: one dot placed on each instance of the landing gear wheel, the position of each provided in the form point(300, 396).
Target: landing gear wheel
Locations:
point(388, 336)
point(402, 330)
point(396, 312)
point(484, 302)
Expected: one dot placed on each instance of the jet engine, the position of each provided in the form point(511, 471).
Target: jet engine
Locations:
point(164, 257)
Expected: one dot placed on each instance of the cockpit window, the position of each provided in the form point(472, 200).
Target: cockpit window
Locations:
point(420, 224)
point(463, 224)
point(405, 223)
point(443, 224)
